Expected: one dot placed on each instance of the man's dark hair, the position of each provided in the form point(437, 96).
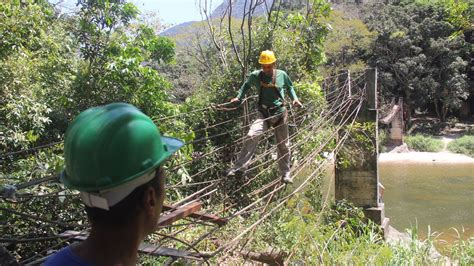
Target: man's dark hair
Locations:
point(126, 211)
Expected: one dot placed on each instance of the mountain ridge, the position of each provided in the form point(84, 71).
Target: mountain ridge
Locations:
point(238, 9)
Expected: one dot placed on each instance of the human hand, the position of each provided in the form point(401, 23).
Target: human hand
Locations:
point(234, 100)
point(297, 103)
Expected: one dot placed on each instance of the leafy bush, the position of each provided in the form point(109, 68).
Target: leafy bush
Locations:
point(359, 149)
point(424, 143)
point(383, 140)
point(38, 59)
point(464, 145)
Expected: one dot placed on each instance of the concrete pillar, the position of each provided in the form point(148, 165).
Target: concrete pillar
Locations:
point(396, 131)
point(360, 184)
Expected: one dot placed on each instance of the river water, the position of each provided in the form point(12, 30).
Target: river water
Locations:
point(429, 189)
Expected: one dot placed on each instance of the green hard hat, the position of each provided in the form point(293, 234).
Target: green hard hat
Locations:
point(110, 145)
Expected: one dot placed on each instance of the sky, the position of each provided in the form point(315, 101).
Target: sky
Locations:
point(170, 12)
point(174, 11)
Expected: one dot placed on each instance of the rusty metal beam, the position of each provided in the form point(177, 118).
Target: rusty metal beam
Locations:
point(179, 213)
point(203, 217)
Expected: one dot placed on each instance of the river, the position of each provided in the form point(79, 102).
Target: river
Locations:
point(429, 189)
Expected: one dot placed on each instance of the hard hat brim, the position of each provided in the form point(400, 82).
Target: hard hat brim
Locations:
point(171, 144)
point(266, 63)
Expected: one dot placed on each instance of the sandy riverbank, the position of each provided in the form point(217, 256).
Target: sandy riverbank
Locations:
point(425, 157)
point(427, 163)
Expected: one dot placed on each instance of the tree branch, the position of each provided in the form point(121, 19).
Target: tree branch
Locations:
point(231, 35)
point(204, 10)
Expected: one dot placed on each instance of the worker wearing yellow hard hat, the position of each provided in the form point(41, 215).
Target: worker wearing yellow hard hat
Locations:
point(266, 58)
point(271, 84)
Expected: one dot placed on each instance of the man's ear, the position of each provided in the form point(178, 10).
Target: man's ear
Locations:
point(150, 200)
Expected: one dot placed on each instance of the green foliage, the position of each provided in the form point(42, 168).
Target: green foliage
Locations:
point(359, 147)
point(418, 57)
point(460, 13)
point(338, 234)
point(44, 82)
point(51, 68)
point(311, 91)
point(37, 64)
point(423, 143)
point(347, 43)
point(305, 32)
point(119, 63)
point(23, 25)
point(415, 251)
point(463, 145)
point(97, 20)
point(383, 140)
point(62, 207)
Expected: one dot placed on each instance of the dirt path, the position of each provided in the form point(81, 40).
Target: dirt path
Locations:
point(446, 141)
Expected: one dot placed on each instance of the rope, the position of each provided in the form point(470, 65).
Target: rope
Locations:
point(248, 182)
point(229, 145)
point(8, 154)
point(238, 141)
point(294, 173)
point(26, 240)
point(204, 236)
point(277, 179)
point(40, 219)
point(283, 201)
point(209, 107)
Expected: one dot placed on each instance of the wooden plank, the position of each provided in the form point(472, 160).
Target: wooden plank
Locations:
point(203, 217)
point(179, 213)
point(144, 248)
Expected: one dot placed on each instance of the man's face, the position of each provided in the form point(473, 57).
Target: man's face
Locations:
point(268, 69)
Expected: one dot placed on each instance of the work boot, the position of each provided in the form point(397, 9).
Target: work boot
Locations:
point(232, 172)
point(287, 179)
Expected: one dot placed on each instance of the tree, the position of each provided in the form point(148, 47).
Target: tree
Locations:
point(54, 66)
point(418, 57)
point(37, 66)
point(119, 58)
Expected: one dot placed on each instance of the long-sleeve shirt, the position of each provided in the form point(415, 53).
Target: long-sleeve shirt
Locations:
point(268, 96)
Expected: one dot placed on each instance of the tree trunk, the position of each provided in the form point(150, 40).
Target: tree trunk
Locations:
point(438, 114)
point(444, 113)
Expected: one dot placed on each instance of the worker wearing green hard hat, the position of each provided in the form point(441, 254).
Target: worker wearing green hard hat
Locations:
point(113, 156)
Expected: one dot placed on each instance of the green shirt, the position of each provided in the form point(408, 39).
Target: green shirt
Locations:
point(269, 96)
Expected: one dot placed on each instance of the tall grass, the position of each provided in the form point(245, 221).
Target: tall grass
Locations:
point(462, 250)
point(340, 235)
point(464, 145)
point(424, 143)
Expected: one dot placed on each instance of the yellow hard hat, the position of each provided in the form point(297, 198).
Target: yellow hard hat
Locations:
point(267, 57)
